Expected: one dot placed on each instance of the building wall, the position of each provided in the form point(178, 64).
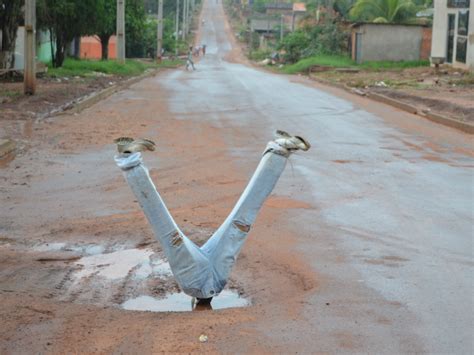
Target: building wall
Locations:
point(426, 35)
point(263, 25)
point(20, 49)
point(389, 42)
point(43, 46)
point(91, 48)
point(440, 27)
point(439, 42)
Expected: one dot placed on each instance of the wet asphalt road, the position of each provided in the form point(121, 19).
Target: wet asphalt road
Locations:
point(391, 230)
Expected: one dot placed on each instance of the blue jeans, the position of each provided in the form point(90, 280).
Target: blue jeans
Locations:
point(202, 272)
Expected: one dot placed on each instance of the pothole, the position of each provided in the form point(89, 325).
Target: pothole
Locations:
point(104, 276)
point(117, 265)
point(180, 302)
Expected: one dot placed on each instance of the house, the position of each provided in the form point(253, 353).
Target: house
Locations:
point(264, 24)
point(453, 33)
point(299, 10)
point(92, 49)
point(278, 14)
point(43, 47)
point(393, 42)
point(279, 8)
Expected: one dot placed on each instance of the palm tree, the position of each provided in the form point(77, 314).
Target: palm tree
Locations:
point(384, 11)
point(343, 7)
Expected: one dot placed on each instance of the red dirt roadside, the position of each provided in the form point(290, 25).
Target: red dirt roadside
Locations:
point(65, 188)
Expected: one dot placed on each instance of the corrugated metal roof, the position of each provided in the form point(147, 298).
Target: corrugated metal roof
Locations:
point(267, 24)
point(358, 24)
point(279, 6)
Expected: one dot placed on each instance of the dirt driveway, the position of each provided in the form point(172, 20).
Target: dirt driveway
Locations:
point(363, 246)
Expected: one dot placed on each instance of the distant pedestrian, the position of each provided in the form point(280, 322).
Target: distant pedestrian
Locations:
point(203, 49)
point(189, 61)
point(197, 50)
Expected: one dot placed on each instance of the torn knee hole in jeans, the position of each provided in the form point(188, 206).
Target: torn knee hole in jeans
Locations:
point(176, 239)
point(242, 226)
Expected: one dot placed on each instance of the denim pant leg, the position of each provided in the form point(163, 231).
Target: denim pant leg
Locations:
point(224, 246)
point(189, 264)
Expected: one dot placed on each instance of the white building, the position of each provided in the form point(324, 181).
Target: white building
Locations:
point(453, 32)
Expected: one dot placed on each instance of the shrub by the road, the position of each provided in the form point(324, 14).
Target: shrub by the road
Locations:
point(303, 65)
point(294, 44)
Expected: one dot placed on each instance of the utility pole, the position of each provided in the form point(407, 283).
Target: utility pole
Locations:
point(159, 45)
point(29, 79)
point(281, 28)
point(121, 31)
point(184, 20)
point(177, 29)
point(188, 13)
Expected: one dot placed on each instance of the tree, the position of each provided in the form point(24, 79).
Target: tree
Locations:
point(259, 5)
point(343, 7)
point(65, 20)
point(384, 11)
point(10, 16)
point(106, 24)
point(135, 25)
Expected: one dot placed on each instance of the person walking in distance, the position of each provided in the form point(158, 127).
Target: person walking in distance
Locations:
point(189, 61)
point(203, 50)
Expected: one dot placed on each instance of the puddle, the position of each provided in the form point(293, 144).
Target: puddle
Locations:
point(157, 266)
point(50, 247)
point(88, 249)
point(180, 302)
point(140, 262)
point(114, 265)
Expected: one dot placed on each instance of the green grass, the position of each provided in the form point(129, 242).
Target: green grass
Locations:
point(260, 54)
point(325, 60)
point(465, 80)
point(167, 63)
point(383, 65)
point(84, 68)
point(10, 93)
point(345, 62)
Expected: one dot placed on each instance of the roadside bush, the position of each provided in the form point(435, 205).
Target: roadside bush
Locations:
point(327, 38)
point(294, 44)
point(260, 54)
point(253, 41)
point(325, 60)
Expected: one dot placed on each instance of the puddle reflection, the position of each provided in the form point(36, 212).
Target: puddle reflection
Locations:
point(180, 302)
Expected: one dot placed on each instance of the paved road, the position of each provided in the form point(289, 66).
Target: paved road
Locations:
point(391, 229)
point(365, 246)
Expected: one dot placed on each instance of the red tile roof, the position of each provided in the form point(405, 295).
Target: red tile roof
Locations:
point(299, 7)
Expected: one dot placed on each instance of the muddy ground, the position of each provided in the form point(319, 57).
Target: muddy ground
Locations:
point(18, 112)
point(448, 91)
point(64, 199)
point(75, 248)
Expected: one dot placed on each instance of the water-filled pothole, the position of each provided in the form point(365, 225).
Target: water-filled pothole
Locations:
point(100, 276)
point(180, 302)
point(118, 264)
